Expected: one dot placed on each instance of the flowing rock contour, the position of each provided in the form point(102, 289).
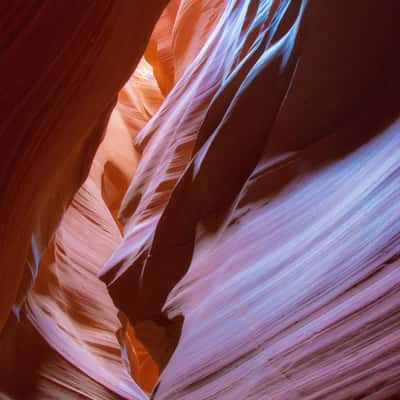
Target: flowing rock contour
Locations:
point(236, 235)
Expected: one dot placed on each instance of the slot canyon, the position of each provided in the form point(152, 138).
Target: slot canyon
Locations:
point(200, 199)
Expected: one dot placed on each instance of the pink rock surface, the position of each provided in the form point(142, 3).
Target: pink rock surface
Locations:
point(265, 213)
point(59, 83)
point(238, 233)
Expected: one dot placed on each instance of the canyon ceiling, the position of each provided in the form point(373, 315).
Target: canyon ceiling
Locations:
point(199, 199)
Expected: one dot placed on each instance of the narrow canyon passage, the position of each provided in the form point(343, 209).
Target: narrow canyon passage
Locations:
point(199, 199)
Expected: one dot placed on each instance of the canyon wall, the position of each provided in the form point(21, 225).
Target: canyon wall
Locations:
point(224, 226)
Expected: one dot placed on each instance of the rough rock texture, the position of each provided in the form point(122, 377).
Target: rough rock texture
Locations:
point(241, 210)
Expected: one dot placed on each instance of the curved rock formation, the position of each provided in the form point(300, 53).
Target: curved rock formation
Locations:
point(57, 95)
point(241, 210)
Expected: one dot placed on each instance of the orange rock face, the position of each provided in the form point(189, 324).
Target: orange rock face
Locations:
point(56, 103)
point(223, 226)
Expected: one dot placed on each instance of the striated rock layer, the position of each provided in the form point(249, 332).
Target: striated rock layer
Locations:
point(263, 208)
point(54, 115)
point(242, 209)
point(59, 85)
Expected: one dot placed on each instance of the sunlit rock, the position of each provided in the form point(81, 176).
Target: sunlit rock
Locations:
point(223, 226)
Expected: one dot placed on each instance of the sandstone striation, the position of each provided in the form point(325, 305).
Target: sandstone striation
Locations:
point(200, 200)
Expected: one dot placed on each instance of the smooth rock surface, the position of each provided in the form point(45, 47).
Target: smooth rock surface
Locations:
point(224, 226)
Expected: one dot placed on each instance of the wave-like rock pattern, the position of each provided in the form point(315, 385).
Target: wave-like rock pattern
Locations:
point(268, 182)
point(78, 354)
point(60, 340)
point(241, 207)
point(59, 83)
